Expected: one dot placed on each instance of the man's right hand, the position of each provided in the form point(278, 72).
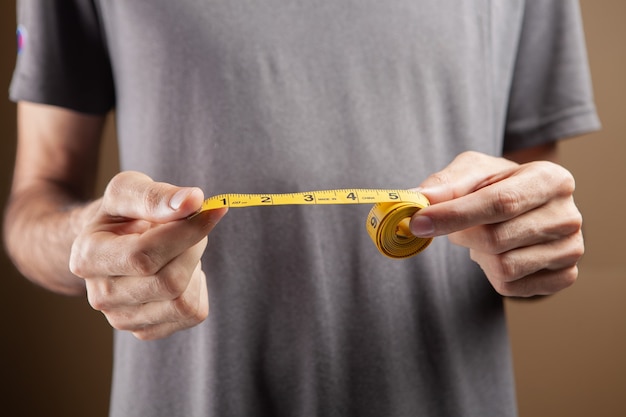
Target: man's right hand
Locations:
point(139, 255)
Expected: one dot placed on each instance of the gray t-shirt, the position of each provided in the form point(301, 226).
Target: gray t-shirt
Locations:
point(307, 318)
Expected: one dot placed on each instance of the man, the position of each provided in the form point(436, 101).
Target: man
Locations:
point(228, 96)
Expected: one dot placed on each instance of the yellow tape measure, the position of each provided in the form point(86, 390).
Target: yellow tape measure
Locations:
point(387, 222)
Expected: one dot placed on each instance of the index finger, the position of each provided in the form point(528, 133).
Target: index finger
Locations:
point(106, 253)
point(477, 189)
point(495, 203)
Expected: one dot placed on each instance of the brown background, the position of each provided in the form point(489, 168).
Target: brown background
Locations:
point(569, 349)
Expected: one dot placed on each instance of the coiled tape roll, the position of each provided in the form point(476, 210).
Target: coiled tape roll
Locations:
point(387, 222)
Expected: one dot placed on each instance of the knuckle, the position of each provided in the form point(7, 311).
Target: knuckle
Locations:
point(79, 257)
point(190, 307)
point(577, 219)
point(496, 239)
point(99, 291)
point(119, 322)
point(506, 268)
point(114, 321)
point(173, 283)
point(77, 265)
point(569, 276)
point(551, 173)
point(567, 218)
point(580, 244)
point(565, 179)
point(96, 301)
point(438, 178)
point(187, 310)
point(505, 289)
point(575, 222)
point(143, 263)
point(502, 270)
point(522, 288)
point(507, 203)
point(577, 248)
point(469, 156)
point(116, 185)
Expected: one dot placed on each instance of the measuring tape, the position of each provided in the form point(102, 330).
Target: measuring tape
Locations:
point(387, 222)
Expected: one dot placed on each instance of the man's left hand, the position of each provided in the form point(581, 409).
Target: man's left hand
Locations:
point(519, 222)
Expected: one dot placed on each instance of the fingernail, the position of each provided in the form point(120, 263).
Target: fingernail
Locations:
point(177, 199)
point(422, 226)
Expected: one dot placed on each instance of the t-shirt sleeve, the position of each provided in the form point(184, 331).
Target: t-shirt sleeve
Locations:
point(551, 94)
point(62, 58)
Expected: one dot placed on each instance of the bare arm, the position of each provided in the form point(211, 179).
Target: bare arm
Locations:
point(54, 174)
point(133, 252)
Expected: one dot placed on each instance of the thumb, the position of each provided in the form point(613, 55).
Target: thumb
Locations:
point(136, 196)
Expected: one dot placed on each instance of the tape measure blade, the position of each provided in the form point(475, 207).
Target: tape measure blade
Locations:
point(292, 198)
point(386, 223)
point(321, 197)
point(215, 202)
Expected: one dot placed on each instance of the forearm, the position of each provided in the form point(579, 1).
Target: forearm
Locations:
point(55, 169)
point(40, 225)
